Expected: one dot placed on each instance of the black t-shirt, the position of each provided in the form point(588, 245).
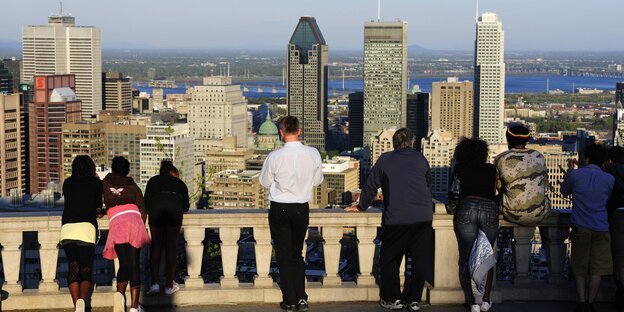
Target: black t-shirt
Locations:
point(83, 196)
point(166, 192)
point(477, 179)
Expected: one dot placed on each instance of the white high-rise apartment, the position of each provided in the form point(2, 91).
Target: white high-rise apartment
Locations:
point(171, 142)
point(489, 80)
point(381, 143)
point(218, 109)
point(61, 47)
point(385, 77)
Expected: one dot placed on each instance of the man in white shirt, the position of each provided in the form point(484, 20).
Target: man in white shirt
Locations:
point(290, 173)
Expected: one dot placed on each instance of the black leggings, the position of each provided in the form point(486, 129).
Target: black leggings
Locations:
point(129, 269)
point(80, 261)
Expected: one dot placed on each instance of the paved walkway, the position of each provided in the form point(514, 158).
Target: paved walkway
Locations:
point(372, 307)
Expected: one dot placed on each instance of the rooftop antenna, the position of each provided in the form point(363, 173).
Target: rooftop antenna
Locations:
point(379, 10)
point(477, 12)
point(61, 5)
point(228, 73)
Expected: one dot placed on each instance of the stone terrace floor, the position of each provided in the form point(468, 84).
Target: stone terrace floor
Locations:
point(372, 307)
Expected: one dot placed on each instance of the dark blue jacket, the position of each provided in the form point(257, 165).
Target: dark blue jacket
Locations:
point(405, 181)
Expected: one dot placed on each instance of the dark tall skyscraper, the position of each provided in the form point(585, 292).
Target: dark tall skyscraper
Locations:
point(14, 66)
point(619, 92)
point(418, 116)
point(356, 119)
point(306, 62)
point(6, 80)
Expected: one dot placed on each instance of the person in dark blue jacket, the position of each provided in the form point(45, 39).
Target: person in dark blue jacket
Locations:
point(404, 177)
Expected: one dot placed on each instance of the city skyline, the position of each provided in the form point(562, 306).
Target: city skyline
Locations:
point(255, 26)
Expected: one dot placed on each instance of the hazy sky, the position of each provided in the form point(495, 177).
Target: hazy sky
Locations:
point(559, 25)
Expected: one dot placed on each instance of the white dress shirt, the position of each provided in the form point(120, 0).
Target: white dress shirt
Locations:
point(290, 173)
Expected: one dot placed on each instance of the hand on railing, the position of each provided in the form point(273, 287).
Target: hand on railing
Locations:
point(353, 207)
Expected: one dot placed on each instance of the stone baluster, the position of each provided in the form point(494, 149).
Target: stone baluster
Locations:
point(447, 287)
point(263, 250)
point(194, 237)
point(11, 257)
point(402, 270)
point(522, 253)
point(331, 252)
point(48, 254)
point(229, 255)
point(366, 253)
point(556, 250)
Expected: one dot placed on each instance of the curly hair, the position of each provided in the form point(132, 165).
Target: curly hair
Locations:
point(83, 166)
point(167, 167)
point(471, 150)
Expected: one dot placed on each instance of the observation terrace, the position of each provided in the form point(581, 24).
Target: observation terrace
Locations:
point(331, 289)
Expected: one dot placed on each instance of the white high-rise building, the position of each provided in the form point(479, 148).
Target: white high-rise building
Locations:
point(218, 109)
point(381, 143)
point(385, 77)
point(171, 142)
point(489, 80)
point(61, 47)
point(618, 125)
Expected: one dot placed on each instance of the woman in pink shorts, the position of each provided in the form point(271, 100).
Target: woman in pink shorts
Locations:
point(127, 233)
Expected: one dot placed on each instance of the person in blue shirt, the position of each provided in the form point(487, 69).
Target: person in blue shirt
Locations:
point(591, 189)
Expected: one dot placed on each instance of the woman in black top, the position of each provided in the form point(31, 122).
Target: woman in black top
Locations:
point(166, 199)
point(83, 200)
point(477, 208)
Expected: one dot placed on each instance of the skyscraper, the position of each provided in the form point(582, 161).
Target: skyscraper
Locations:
point(218, 109)
point(451, 107)
point(61, 47)
point(619, 92)
point(356, 119)
point(306, 66)
point(618, 116)
point(417, 116)
point(489, 79)
point(385, 77)
point(14, 66)
point(438, 148)
point(55, 103)
point(83, 138)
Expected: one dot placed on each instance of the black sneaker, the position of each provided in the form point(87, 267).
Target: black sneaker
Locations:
point(414, 306)
point(580, 307)
point(288, 307)
point(302, 305)
point(392, 305)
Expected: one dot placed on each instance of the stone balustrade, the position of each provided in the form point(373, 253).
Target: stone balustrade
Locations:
point(444, 286)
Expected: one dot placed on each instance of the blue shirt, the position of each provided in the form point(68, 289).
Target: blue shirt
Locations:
point(405, 180)
point(590, 188)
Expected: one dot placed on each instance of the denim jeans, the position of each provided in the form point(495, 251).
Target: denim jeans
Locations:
point(473, 215)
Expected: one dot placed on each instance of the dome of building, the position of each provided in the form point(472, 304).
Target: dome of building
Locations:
point(268, 127)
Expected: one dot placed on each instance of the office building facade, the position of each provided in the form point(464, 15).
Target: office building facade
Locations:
point(61, 47)
point(54, 104)
point(116, 92)
point(218, 109)
point(385, 77)
point(233, 189)
point(306, 95)
point(83, 138)
point(12, 145)
point(452, 107)
point(417, 119)
point(356, 119)
point(438, 149)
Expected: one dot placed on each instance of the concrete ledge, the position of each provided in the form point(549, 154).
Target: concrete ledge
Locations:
point(210, 295)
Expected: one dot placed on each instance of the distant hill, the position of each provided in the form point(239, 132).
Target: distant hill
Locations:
point(9, 48)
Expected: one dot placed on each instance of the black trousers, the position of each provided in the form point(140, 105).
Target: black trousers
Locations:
point(397, 241)
point(289, 225)
point(129, 265)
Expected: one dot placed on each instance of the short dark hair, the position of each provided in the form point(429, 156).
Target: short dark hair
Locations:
point(471, 150)
point(120, 166)
point(596, 154)
point(167, 167)
point(517, 134)
point(289, 124)
point(403, 138)
point(83, 166)
point(616, 154)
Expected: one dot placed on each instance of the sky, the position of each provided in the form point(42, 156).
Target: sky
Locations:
point(530, 25)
